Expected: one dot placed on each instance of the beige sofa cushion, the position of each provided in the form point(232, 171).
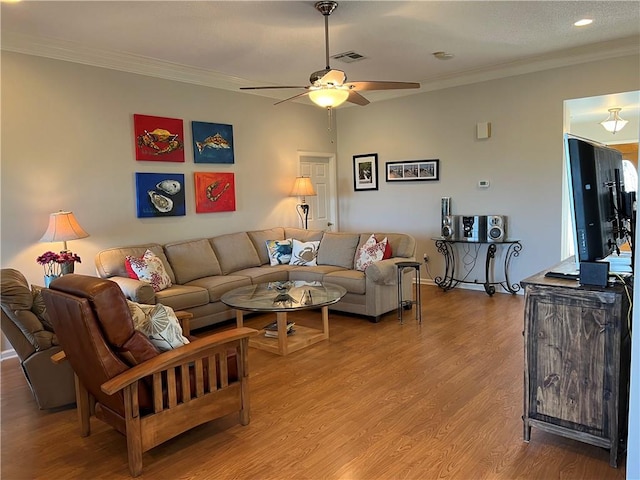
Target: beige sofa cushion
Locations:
point(235, 251)
point(192, 259)
point(302, 234)
point(338, 249)
point(259, 239)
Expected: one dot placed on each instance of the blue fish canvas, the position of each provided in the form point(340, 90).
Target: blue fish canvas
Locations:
point(212, 142)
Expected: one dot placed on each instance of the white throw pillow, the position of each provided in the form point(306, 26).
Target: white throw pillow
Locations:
point(150, 269)
point(279, 251)
point(159, 323)
point(371, 251)
point(304, 253)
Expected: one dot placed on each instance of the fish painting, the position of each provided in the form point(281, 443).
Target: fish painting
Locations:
point(212, 142)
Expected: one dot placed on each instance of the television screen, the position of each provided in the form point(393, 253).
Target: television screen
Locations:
point(597, 196)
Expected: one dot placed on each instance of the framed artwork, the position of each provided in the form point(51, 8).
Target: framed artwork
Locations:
point(158, 139)
point(212, 142)
point(160, 194)
point(413, 170)
point(365, 172)
point(215, 192)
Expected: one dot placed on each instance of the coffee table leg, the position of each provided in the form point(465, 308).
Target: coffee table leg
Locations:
point(239, 318)
point(281, 318)
point(325, 321)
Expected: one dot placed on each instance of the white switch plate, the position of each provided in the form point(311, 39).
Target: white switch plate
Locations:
point(483, 183)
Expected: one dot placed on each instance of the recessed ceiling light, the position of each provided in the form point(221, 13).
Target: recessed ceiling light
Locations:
point(583, 22)
point(443, 55)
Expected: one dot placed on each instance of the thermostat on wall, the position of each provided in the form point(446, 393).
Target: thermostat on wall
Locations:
point(483, 183)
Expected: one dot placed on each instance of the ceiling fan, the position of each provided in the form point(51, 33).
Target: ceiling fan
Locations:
point(329, 87)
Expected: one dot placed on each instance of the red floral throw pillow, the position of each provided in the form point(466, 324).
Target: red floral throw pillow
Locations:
point(149, 269)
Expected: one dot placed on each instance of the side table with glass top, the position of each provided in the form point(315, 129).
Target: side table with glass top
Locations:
point(281, 298)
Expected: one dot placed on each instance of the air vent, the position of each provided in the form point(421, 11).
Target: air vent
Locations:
point(349, 57)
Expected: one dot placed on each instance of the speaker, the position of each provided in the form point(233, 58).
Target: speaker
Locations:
point(472, 228)
point(449, 227)
point(496, 228)
point(445, 208)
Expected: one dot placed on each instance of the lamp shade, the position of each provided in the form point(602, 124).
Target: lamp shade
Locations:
point(302, 188)
point(63, 226)
point(614, 123)
point(329, 96)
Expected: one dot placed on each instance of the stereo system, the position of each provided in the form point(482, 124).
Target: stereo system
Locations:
point(471, 228)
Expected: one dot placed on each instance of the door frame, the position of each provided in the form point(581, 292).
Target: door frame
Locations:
point(333, 177)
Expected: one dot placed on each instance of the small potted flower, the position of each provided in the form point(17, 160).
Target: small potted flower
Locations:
point(56, 264)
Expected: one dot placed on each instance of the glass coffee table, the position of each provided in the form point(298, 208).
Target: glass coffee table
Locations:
point(281, 298)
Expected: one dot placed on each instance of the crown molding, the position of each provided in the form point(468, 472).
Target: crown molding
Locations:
point(126, 62)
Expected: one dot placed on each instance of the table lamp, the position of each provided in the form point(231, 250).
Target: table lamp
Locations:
point(63, 226)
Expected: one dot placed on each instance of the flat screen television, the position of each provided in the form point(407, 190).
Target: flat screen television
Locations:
point(601, 209)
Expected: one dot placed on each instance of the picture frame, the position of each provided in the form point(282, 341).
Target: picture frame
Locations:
point(413, 171)
point(365, 172)
point(160, 195)
point(158, 139)
point(214, 192)
point(212, 142)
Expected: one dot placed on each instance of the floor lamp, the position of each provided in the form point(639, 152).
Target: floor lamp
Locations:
point(303, 188)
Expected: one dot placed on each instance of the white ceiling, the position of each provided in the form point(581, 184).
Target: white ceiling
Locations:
point(230, 44)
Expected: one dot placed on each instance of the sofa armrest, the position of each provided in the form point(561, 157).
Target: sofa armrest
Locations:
point(384, 272)
point(136, 290)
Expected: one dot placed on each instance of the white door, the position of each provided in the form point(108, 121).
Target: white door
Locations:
point(323, 208)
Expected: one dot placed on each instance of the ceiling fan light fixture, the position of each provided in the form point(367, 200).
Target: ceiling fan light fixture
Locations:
point(329, 97)
point(614, 123)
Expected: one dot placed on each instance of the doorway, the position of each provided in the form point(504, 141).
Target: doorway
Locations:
point(323, 208)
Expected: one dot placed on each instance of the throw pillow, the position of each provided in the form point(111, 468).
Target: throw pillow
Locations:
point(371, 251)
point(159, 323)
point(130, 272)
point(40, 309)
point(149, 269)
point(304, 253)
point(279, 251)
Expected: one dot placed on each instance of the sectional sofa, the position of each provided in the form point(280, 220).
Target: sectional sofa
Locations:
point(202, 270)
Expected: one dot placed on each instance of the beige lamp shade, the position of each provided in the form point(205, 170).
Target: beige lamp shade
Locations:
point(302, 188)
point(63, 226)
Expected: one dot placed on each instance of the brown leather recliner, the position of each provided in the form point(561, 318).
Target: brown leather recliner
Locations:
point(148, 396)
point(34, 342)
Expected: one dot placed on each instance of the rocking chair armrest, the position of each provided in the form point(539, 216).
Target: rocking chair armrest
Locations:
point(172, 358)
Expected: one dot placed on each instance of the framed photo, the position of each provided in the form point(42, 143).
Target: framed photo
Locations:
point(212, 142)
point(365, 172)
point(414, 170)
point(158, 139)
point(215, 192)
point(160, 194)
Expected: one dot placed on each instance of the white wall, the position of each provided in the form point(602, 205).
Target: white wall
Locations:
point(523, 159)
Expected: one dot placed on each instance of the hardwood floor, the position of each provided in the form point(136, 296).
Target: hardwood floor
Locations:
point(441, 400)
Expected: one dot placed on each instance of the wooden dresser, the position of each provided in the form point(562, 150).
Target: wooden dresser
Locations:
point(576, 361)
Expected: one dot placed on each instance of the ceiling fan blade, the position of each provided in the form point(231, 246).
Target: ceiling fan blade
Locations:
point(333, 77)
point(291, 98)
point(382, 85)
point(264, 88)
point(355, 97)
